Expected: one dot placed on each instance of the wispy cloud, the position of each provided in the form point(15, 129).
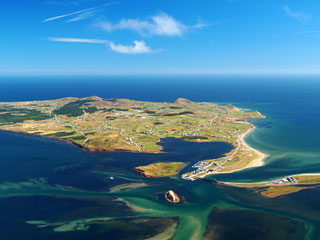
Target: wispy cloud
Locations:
point(138, 48)
point(161, 24)
point(69, 14)
point(300, 16)
point(78, 12)
point(77, 40)
point(83, 16)
point(202, 25)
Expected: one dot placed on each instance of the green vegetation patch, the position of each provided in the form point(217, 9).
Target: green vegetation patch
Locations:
point(37, 133)
point(60, 134)
point(72, 109)
point(18, 115)
point(80, 137)
point(149, 111)
point(178, 114)
point(91, 109)
point(69, 136)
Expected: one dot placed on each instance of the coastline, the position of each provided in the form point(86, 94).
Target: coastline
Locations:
point(279, 187)
point(258, 162)
point(269, 183)
point(70, 142)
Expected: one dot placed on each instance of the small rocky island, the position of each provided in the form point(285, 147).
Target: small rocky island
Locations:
point(172, 197)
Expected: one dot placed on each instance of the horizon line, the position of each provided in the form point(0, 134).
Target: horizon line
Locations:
point(156, 74)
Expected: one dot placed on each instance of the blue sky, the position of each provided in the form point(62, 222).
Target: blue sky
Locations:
point(160, 37)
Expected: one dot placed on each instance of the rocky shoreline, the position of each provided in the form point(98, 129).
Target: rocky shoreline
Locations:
point(142, 172)
point(172, 197)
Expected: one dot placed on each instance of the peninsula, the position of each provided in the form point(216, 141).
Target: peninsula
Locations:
point(97, 124)
point(280, 187)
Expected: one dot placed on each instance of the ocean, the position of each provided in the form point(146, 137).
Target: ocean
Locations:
point(34, 171)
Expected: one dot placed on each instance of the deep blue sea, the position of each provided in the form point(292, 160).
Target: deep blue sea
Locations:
point(34, 170)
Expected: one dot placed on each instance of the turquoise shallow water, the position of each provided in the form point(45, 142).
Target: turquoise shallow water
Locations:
point(288, 136)
point(51, 190)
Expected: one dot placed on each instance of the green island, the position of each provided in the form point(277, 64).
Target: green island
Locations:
point(97, 124)
point(160, 169)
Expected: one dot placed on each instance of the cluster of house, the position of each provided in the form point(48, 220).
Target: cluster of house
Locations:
point(201, 167)
point(285, 181)
point(201, 164)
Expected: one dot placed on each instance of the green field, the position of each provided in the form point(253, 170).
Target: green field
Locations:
point(18, 115)
point(161, 169)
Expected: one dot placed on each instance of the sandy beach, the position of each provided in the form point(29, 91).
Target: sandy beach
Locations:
point(258, 162)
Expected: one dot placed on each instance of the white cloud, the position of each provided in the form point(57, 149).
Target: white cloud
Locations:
point(138, 48)
point(166, 25)
point(78, 12)
point(161, 24)
point(300, 16)
point(77, 40)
